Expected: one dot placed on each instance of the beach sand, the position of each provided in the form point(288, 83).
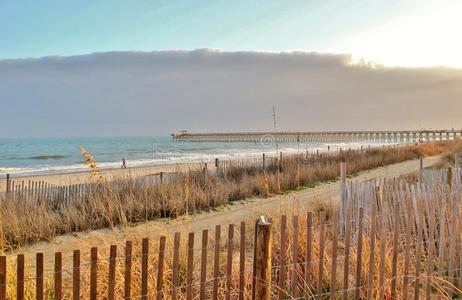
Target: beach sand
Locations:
point(109, 174)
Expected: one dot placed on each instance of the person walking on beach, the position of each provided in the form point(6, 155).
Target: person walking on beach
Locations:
point(124, 165)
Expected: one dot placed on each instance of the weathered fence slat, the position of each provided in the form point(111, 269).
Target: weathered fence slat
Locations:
point(322, 217)
point(418, 255)
point(3, 277)
point(359, 253)
point(76, 275)
point(282, 258)
point(430, 257)
point(160, 268)
point(20, 277)
point(39, 276)
point(262, 260)
point(309, 239)
point(190, 267)
point(333, 274)
point(371, 267)
point(242, 263)
point(144, 268)
point(128, 271)
point(382, 257)
point(346, 266)
point(111, 274)
point(229, 261)
point(93, 273)
point(58, 276)
point(175, 265)
point(407, 251)
point(293, 273)
point(203, 275)
point(216, 262)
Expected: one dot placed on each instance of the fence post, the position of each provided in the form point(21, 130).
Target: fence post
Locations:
point(229, 261)
point(128, 270)
point(3, 277)
point(39, 276)
point(190, 267)
point(204, 174)
point(421, 168)
point(203, 267)
point(217, 166)
point(450, 176)
point(160, 268)
point(264, 161)
point(7, 183)
point(58, 276)
point(144, 268)
point(93, 273)
point(112, 272)
point(241, 263)
point(262, 260)
point(20, 277)
point(343, 198)
point(76, 275)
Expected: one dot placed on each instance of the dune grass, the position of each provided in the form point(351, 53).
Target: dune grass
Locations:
point(128, 200)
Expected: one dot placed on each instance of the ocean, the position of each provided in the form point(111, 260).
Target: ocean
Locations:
point(35, 156)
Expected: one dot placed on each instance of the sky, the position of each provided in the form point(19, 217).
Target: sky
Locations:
point(157, 93)
point(389, 32)
point(132, 68)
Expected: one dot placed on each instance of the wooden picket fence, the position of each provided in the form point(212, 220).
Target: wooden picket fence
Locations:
point(399, 239)
point(61, 195)
point(390, 239)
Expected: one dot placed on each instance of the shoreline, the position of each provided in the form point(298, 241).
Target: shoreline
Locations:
point(77, 177)
point(69, 177)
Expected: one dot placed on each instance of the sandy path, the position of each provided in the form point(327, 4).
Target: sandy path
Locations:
point(240, 211)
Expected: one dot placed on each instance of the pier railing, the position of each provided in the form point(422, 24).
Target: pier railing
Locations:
point(398, 136)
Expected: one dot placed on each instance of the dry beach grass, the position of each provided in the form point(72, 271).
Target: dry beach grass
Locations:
point(127, 201)
point(269, 182)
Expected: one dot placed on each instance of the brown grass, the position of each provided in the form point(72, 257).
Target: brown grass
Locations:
point(439, 284)
point(131, 200)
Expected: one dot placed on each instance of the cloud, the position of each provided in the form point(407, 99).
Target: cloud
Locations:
point(155, 93)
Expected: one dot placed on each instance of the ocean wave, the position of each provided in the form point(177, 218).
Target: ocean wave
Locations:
point(170, 157)
point(46, 157)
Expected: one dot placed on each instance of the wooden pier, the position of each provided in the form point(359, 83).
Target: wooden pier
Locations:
point(399, 136)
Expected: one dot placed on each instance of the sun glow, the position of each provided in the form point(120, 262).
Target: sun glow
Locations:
point(429, 35)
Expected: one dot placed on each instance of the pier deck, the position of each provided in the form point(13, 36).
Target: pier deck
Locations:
point(399, 136)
